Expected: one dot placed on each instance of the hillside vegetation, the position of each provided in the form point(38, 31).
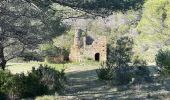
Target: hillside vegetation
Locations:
point(148, 26)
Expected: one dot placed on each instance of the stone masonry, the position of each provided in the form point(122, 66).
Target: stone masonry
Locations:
point(88, 47)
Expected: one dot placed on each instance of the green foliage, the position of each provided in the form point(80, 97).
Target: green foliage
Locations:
point(123, 55)
point(49, 49)
point(51, 78)
point(155, 17)
point(120, 52)
point(54, 54)
point(21, 86)
point(123, 75)
point(30, 86)
point(117, 67)
point(32, 56)
point(142, 74)
point(5, 76)
point(105, 72)
point(43, 80)
point(123, 51)
point(154, 27)
point(122, 66)
point(162, 60)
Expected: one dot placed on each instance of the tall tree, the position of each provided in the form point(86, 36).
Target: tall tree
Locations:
point(23, 26)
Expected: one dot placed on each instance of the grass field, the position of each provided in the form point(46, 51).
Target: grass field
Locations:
point(26, 67)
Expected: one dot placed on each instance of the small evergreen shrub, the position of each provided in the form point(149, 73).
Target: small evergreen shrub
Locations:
point(44, 80)
point(5, 76)
point(117, 68)
point(105, 72)
point(123, 75)
point(20, 86)
point(31, 85)
point(51, 78)
point(142, 74)
point(163, 60)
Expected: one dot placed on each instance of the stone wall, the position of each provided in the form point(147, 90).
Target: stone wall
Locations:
point(96, 51)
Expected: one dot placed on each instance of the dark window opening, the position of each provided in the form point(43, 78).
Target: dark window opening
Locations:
point(97, 57)
point(89, 40)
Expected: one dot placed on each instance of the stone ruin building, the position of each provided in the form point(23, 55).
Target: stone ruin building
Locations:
point(88, 47)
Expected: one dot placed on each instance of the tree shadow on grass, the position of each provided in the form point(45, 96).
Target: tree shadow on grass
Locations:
point(86, 86)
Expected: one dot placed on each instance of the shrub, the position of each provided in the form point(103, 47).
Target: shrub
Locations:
point(31, 85)
point(32, 56)
point(105, 72)
point(163, 61)
point(20, 86)
point(120, 75)
point(117, 68)
point(123, 52)
point(142, 74)
point(42, 81)
point(119, 64)
point(123, 75)
point(54, 54)
point(52, 79)
point(4, 77)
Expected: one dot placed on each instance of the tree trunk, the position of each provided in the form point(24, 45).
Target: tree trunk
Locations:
point(2, 58)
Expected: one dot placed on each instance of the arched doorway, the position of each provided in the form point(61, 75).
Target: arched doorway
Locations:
point(97, 57)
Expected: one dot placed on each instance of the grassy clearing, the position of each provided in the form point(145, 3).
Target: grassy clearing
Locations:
point(27, 66)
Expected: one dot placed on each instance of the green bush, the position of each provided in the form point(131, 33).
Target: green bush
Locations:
point(54, 54)
point(123, 51)
point(43, 80)
point(123, 75)
point(20, 86)
point(121, 67)
point(105, 72)
point(117, 68)
point(32, 56)
point(52, 79)
point(5, 76)
point(119, 75)
point(31, 86)
point(142, 74)
point(163, 60)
